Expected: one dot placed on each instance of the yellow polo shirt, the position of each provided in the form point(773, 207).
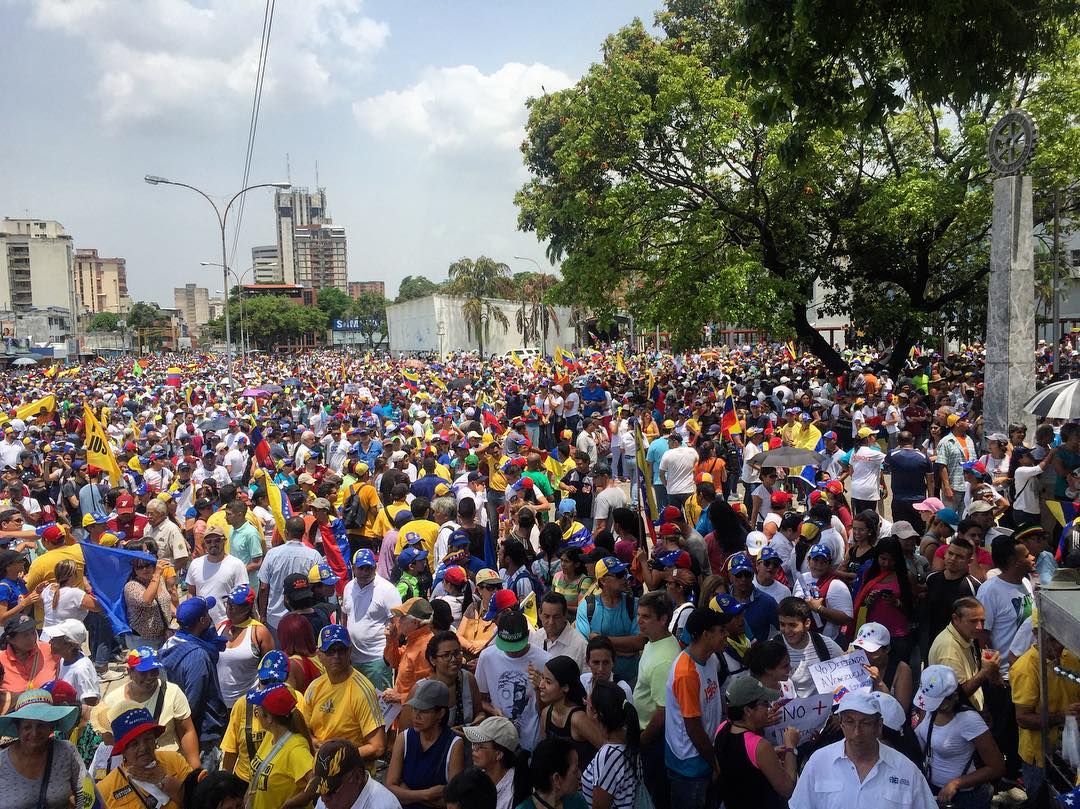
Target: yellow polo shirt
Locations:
point(1025, 681)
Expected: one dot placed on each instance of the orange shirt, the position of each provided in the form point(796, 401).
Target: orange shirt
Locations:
point(33, 672)
point(408, 660)
point(474, 633)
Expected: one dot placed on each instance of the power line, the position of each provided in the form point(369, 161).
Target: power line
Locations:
point(253, 123)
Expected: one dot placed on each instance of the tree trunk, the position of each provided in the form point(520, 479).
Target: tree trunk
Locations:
point(817, 344)
point(900, 349)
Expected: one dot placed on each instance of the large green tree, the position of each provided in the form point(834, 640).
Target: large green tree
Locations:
point(663, 189)
point(415, 286)
point(105, 321)
point(477, 282)
point(334, 302)
point(272, 320)
point(370, 310)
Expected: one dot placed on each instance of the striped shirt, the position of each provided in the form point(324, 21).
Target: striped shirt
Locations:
point(610, 770)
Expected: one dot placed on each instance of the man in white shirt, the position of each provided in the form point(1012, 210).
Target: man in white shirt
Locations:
point(767, 566)
point(170, 541)
point(677, 470)
point(864, 468)
point(556, 635)
point(502, 673)
point(365, 604)
point(859, 770)
point(215, 573)
point(804, 647)
point(236, 459)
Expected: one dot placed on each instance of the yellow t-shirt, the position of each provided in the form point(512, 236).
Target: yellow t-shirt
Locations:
point(428, 532)
point(496, 478)
point(174, 708)
point(369, 498)
point(1024, 679)
point(118, 793)
point(394, 508)
point(235, 738)
point(44, 567)
point(285, 774)
point(346, 710)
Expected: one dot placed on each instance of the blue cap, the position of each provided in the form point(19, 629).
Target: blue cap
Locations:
point(727, 605)
point(567, 506)
point(948, 516)
point(241, 594)
point(413, 538)
point(96, 518)
point(331, 634)
point(191, 513)
point(459, 539)
point(363, 558)
point(768, 554)
point(740, 563)
point(819, 551)
point(274, 667)
point(143, 658)
point(193, 609)
point(322, 573)
point(410, 555)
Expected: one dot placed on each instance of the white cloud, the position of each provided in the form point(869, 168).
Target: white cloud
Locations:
point(162, 60)
point(460, 107)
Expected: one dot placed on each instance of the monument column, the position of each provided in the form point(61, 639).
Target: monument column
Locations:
point(1010, 315)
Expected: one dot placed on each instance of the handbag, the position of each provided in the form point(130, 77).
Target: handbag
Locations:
point(642, 797)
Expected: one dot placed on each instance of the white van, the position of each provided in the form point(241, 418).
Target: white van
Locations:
point(526, 355)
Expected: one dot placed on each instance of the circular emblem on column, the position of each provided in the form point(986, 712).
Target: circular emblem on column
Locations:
point(1011, 143)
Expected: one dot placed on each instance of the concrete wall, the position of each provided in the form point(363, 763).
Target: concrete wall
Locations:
point(434, 323)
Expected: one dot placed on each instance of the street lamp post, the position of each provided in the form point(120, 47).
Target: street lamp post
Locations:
point(240, 291)
point(223, 217)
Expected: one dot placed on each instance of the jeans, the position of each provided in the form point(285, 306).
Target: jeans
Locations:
point(905, 510)
point(654, 772)
point(661, 496)
point(630, 466)
point(1033, 778)
point(377, 672)
point(687, 792)
point(533, 430)
point(103, 645)
point(618, 458)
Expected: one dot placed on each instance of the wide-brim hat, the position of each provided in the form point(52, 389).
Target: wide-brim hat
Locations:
point(38, 705)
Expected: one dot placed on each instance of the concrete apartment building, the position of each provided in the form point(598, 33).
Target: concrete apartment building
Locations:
point(36, 265)
point(193, 304)
point(267, 263)
point(311, 249)
point(358, 288)
point(100, 283)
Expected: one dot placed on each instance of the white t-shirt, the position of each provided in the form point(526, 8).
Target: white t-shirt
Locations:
point(373, 796)
point(216, 579)
point(587, 678)
point(866, 472)
point(606, 502)
point(69, 605)
point(1027, 489)
point(506, 680)
point(952, 745)
point(777, 590)
point(802, 659)
point(837, 597)
point(1007, 607)
point(678, 466)
point(82, 676)
point(367, 611)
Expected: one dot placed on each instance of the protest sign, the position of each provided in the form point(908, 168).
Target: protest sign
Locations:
point(805, 714)
point(841, 674)
point(390, 711)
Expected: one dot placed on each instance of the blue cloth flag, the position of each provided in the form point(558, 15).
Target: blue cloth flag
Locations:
point(108, 570)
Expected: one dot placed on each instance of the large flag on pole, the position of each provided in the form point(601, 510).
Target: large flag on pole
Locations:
point(98, 451)
point(648, 496)
point(729, 420)
point(108, 570)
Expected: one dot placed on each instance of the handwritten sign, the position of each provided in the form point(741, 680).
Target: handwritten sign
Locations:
point(805, 714)
point(841, 674)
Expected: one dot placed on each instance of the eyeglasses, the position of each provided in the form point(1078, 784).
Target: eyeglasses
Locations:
point(489, 586)
point(456, 653)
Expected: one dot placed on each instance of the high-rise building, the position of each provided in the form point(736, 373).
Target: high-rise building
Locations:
point(36, 265)
point(311, 249)
point(358, 288)
point(100, 283)
point(193, 303)
point(265, 259)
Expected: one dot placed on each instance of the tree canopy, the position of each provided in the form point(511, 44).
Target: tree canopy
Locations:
point(105, 321)
point(334, 302)
point(370, 310)
point(664, 190)
point(415, 286)
point(271, 320)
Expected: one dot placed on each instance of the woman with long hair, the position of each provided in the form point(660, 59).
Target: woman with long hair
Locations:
point(556, 777)
point(709, 463)
point(246, 641)
point(728, 535)
point(296, 639)
point(952, 734)
point(572, 580)
point(149, 603)
point(563, 715)
point(547, 563)
point(444, 655)
point(611, 780)
point(281, 768)
point(427, 755)
point(864, 536)
point(885, 595)
point(63, 598)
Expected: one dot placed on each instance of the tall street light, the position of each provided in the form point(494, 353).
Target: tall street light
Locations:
point(223, 217)
point(240, 291)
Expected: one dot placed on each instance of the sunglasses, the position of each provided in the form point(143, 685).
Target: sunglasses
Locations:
point(489, 586)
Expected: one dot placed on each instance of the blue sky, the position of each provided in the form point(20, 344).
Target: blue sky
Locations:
point(413, 111)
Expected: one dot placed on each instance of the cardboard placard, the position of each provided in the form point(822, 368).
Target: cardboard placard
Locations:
point(841, 674)
point(805, 714)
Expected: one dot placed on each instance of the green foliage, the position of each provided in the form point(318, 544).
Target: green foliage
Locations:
point(145, 315)
point(334, 302)
point(271, 320)
point(415, 286)
point(370, 310)
point(105, 321)
point(666, 188)
point(476, 282)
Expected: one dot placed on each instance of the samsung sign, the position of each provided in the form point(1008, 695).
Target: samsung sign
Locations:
point(349, 325)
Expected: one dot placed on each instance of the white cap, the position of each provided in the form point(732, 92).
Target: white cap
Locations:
point(755, 541)
point(936, 684)
point(859, 701)
point(71, 629)
point(892, 712)
point(871, 637)
point(397, 457)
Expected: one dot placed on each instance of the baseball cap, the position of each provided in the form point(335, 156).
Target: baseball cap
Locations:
point(567, 506)
point(671, 514)
point(513, 632)
point(740, 563)
point(931, 504)
point(131, 724)
point(496, 729)
point(487, 576)
point(746, 689)
point(819, 550)
point(828, 435)
point(834, 487)
point(274, 667)
point(125, 504)
point(675, 558)
point(871, 637)
point(194, 609)
point(322, 574)
point(410, 555)
point(323, 503)
point(948, 516)
point(977, 506)
point(769, 554)
point(70, 628)
point(477, 477)
point(727, 605)
point(94, 518)
point(429, 694)
point(455, 574)
point(241, 594)
point(669, 529)
point(756, 541)
point(306, 478)
point(275, 698)
point(143, 658)
point(859, 701)
point(865, 432)
point(892, 712)
point(331, 634)
point(609, 565)
point(935, 686)
point(459, 539)
point(780, 498)
point(903, 530)
point(415, 607)
point(501, 600)
point(363, 558)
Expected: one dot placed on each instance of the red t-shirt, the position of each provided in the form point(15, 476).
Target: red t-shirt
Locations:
point(982, 556)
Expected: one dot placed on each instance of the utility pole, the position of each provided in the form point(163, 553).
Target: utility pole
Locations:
point(1057, 298)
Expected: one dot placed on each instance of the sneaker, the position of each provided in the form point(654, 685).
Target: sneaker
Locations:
point(110, 676)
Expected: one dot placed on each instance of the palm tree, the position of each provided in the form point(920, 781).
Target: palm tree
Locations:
point(478, 282)
point(543, 312)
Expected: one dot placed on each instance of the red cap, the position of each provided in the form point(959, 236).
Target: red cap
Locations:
point(125, 504)
point(53, 534)
point(669, 529)
point(671, 514)
point(815, 497)
point(780, 499)
point(455, 575)
point(233, 423)
point(92, 470)
point(834, 487)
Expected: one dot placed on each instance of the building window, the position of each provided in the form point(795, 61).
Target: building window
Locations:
point(1074, 258)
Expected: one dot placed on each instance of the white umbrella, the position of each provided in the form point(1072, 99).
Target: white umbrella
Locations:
point(1060, 400)
point(21, 361)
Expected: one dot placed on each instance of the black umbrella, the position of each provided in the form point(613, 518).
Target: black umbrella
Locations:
point(459, 383)
point(216, 423)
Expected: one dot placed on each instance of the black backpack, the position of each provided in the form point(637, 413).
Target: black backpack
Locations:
point(628, 602)
point(353, 513)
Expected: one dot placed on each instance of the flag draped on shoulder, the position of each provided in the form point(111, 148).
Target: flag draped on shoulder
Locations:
point(729, 420)
point(108, 570)
point(98, 451)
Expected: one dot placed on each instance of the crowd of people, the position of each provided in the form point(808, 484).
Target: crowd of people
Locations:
point(353, 580)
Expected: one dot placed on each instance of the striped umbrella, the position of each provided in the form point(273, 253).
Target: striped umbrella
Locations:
point(1058, 401)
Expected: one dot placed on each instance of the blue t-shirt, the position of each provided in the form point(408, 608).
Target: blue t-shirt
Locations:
point(760, 615)
point(11, 590)
point(612, 623)
point(909, 469)
point(653, 455)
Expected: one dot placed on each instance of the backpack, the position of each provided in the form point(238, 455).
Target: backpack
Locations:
point(353, 513)
point(590, 608)
point(820, 646)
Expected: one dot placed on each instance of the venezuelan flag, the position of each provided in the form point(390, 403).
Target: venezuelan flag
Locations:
point(729, 420)
point(172, 377)
point(412, 379)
